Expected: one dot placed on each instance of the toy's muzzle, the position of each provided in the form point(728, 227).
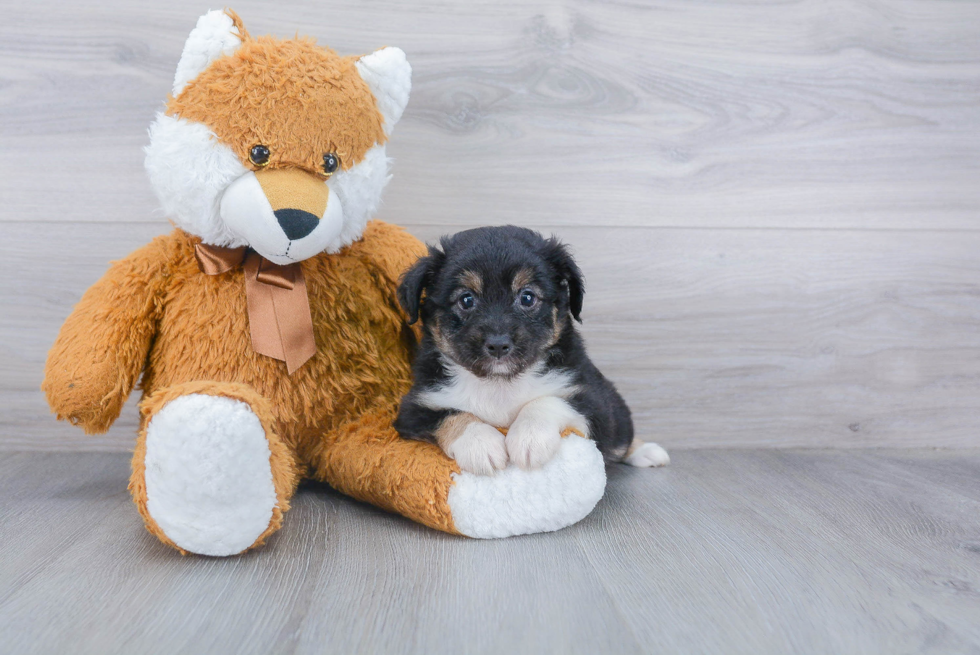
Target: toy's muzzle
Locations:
point(286, 215)
point(297, 198)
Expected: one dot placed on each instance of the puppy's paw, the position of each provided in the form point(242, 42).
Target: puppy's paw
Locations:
point(479, 449)
point(535, 435)
point(531, 447)
point(532, 441)
point(648, 454)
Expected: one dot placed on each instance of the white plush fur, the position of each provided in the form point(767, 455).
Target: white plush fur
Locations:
point(189, 170)
point(535, 435)
point(208, 477)
point(515, 501)
point(359, 190)
point(496, 400)
point(480, 449)
point(389, 76)
point(648, 454)
point(214, 36)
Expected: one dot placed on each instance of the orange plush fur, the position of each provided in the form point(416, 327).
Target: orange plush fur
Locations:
point(156, 315)
point(332, 416)
point(247, 97)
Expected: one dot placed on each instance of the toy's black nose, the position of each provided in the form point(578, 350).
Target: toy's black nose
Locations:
point(498, 345)
point(296, 223)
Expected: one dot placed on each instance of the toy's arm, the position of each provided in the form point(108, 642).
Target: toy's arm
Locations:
point(391, 251)
point(100, 351)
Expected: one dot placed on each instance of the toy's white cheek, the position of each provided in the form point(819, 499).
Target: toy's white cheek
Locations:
point(189, 170)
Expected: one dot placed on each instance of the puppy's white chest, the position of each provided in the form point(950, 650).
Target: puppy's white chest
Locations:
point(496, 401)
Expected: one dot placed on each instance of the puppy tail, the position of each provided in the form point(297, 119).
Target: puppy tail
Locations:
point(645, 454)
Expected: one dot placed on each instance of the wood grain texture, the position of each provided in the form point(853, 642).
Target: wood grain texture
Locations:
point(724, 551)
point(852, 113)
point(715, 337)
point(775, 203)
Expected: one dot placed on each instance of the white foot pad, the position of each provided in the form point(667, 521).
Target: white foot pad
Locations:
point(208, 478)
point(516, 501)
point(649, 454)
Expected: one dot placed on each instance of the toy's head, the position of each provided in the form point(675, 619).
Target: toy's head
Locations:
point(274, 144)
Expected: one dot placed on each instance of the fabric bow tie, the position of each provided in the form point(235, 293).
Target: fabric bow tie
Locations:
point(278, 307)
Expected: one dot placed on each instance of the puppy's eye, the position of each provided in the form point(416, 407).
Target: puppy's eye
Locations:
point(528, 298)
point(466, 301)
point(259, 155)
point(331, 162)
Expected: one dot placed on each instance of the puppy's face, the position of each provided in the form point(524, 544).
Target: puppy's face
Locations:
point(495, 299)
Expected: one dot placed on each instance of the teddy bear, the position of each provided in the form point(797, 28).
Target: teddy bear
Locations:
point(264, 331)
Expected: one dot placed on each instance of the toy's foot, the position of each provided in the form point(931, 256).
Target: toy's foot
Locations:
point(367, 459)
point(517, 501)
point(208, 475)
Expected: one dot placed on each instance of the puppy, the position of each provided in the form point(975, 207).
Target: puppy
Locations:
point(500, 350)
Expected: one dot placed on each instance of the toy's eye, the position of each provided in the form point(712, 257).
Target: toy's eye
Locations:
point(259, 155)
point(528, 298)
point(331, 162)
point(466, 301)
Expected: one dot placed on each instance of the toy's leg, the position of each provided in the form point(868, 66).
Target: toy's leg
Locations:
point(209, 474)
point(367, 459)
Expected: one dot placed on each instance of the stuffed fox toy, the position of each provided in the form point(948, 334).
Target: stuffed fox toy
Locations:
point(264, 330)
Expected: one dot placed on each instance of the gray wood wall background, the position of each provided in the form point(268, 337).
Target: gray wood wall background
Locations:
point(775, 203)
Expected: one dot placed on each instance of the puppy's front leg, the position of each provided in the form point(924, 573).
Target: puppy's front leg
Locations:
point(477, 447)
point(535, 435)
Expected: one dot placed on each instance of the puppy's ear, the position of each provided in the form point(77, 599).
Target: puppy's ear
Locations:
point(416, 280)
point(560, 260)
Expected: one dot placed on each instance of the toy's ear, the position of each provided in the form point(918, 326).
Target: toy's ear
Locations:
point(218, 33)
point(557, 255)
point(416, 280)
point(389, 76)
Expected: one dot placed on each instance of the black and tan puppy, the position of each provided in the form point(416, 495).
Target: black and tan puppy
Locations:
point(500, 350)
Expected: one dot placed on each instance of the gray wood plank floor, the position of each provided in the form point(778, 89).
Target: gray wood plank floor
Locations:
point(862, 551)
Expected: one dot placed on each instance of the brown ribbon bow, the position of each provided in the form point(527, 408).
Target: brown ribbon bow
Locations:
point(278, 307)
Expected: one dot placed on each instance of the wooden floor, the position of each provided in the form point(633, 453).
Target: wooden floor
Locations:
point(862, 551)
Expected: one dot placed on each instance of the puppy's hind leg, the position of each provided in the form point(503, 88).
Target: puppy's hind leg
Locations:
point(645, 454)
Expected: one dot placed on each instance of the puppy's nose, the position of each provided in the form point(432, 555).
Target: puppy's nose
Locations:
point(296, 223)
point(498, 345)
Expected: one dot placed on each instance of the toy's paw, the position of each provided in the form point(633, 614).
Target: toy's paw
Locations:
point(518, 501)
point(209, 483)
point(648, 454)
point(535, 435)
point(480, 449)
